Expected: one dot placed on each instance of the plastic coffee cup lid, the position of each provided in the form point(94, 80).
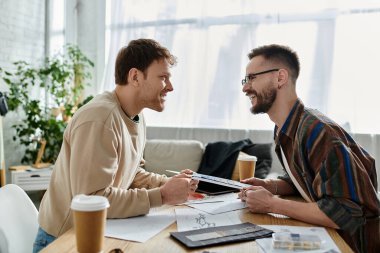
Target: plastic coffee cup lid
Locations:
point(89, 203)
point(247, 158)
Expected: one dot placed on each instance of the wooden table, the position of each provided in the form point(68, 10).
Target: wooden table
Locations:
point(162, 242)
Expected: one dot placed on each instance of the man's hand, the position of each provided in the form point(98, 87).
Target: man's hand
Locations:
point(193, 182)
point(258, 199)
point(275, 186)
point(176, 190)
point(187, 171)
point(187, 174)
point(254, 182)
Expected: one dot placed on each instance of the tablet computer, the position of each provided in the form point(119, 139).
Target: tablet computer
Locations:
point(214, 189)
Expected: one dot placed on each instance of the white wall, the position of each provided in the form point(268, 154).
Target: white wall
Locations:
point(22, 37)
point(22, 31)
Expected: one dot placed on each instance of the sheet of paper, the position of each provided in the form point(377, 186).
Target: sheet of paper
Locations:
point(142, 228)
point(190, 219)
point(230, 202)
point(328, 245)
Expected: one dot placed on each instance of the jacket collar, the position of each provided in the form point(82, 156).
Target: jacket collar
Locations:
point(291, 123)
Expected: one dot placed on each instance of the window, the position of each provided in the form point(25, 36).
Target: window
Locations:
point(56, 32)
point(337, 44)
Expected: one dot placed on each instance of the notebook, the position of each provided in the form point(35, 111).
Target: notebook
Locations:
point(221, 235)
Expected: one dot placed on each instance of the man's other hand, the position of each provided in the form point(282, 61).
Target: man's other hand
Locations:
point(187, 174)
point(176, 190)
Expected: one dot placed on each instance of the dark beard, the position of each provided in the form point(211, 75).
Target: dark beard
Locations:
point(265, 101)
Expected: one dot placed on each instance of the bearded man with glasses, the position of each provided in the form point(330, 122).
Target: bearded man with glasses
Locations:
point(335, 176)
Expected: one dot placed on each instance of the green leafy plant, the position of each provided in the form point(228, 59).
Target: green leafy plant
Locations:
point(59, 82)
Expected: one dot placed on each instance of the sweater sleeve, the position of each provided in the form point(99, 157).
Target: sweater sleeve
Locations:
point(148, 180)
point(94, 169)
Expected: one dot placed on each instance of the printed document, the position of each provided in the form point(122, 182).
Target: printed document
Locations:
point(190, 219)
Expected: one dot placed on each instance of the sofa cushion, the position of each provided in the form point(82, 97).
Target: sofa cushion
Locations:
point(161, 155)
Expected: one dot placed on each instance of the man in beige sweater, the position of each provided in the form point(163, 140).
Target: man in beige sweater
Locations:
point(102, 149)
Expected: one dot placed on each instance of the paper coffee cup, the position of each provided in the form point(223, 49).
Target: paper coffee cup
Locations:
point(90, 214)
point(247, 165)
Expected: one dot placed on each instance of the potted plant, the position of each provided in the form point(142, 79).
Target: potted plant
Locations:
point(61, 80)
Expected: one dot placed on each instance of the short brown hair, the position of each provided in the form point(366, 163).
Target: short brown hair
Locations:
point(139, 54)
point(281, 54)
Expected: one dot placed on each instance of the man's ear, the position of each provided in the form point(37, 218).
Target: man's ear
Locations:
point(133, 76)
point(282, 78)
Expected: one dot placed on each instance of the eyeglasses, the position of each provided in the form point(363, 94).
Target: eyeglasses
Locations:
point(250, 77)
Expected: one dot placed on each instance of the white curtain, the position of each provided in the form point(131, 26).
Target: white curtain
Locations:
point(337, 42)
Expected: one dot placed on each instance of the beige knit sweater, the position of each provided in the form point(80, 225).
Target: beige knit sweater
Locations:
point(101, 154)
